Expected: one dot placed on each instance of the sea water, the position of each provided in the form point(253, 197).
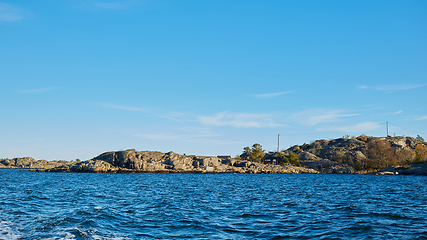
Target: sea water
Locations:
point(211, 206)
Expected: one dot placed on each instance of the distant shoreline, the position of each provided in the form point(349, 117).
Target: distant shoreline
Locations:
point(357, 155)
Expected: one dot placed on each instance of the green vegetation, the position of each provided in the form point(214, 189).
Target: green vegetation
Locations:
point(289, 157)
point(254, 154)
point(363, 153)
point(257, 154)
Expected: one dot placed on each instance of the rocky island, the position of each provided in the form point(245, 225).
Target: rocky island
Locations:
point(363, 154)
point(132, 161)
point(356, 155)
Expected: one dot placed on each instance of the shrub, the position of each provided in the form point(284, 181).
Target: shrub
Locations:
point(420, 154)
point(293, 159)
point(362, 138)
point(381, 154)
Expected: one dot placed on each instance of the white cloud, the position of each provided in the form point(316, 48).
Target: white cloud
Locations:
point(314, 117)
point(239, 120)
point(363, 127)
point(421, 118)
point(9, 13)
point(271, 95)
point(171, 136)
point(394, 88)
point(398, 112)
point(176, 116)
point(38, 90)
point(125, 107)
point(188, 138)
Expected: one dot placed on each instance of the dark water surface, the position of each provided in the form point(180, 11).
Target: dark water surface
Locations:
point(228, 206)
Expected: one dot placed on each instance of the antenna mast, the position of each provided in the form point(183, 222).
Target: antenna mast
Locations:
point(387, 128)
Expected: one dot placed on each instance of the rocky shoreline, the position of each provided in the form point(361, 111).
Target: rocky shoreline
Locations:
point(132, 161)
point(30, 163)
point(400, 156)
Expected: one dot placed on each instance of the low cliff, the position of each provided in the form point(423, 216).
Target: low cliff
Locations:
point(130, 161)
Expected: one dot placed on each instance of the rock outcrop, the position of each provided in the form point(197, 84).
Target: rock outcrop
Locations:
point(29, 162)
point(132, 161)
point(357, 155)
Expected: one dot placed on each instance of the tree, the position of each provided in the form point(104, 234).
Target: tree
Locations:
point(257, 153)
point(282, 158)
point(247, 150)
point(246, 155)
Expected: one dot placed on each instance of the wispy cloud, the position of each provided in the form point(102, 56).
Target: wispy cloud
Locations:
point(171, 136)
point(38, 90)
point(188, 138)
point(394, 88)
point(421, 118)
point(360, 128)
point(239, 120)
point(271, 95)
point(159, 136)
point(314, 117)
point(398, 112)
point(125, 107)
point(10, 13)
point(177, 116)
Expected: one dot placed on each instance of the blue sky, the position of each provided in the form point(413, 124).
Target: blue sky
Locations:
point(81, 77)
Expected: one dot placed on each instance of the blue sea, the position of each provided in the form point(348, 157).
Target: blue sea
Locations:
point(219, 206)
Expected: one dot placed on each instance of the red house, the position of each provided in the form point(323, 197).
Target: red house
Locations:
point(270, 161)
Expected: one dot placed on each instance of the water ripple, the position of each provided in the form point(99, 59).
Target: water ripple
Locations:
point(171, 206)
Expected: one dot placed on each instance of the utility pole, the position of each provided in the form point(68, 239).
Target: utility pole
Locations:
point(387, 128)
point(278, 142)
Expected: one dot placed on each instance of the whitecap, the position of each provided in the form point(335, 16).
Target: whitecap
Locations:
point(7, 231)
